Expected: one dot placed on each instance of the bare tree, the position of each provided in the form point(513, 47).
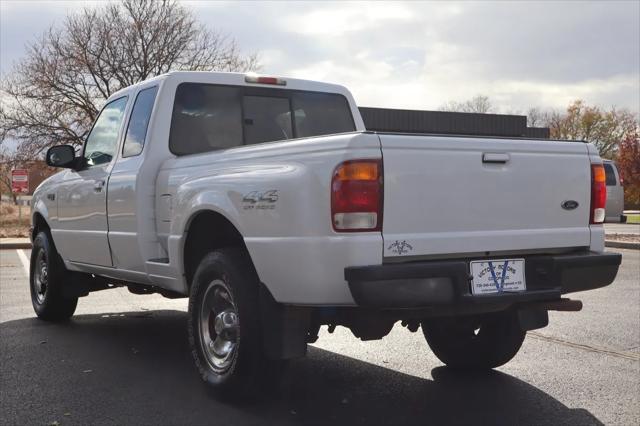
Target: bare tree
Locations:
point(537, 117)
point(478, 104)
point(54, 93)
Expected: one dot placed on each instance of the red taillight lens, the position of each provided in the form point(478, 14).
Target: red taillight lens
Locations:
point(356, 196)
point(598, 193)
point(265, 80)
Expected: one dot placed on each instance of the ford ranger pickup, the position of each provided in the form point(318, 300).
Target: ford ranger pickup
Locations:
point(267, 203)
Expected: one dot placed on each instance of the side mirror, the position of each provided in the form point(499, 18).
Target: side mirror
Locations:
point(61, 156)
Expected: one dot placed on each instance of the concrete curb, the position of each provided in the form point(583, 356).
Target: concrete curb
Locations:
point(14, 246)
point(622, 244)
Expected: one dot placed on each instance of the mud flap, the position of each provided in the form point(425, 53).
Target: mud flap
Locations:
point(284, 328)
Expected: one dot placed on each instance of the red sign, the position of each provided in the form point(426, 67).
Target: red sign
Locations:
point(20, 181)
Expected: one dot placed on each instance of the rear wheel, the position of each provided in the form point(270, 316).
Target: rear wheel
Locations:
point(47, 278)
point(475, 342)
point(224, 323)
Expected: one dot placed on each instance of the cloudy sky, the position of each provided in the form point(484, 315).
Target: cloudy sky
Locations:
point(418, 55)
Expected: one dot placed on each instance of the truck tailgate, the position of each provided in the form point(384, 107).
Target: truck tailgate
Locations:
point(453, 195)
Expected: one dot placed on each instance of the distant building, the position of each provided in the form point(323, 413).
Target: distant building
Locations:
point(445, 122)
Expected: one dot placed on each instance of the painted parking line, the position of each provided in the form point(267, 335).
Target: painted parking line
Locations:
point(24, 260)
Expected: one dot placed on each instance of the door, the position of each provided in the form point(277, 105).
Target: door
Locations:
point(82, 230)
point(131, 192)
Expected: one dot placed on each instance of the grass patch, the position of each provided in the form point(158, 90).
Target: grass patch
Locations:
point(13, 222)
point(633, 218)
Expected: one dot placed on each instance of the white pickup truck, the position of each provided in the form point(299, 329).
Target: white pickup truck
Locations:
point(267, 203)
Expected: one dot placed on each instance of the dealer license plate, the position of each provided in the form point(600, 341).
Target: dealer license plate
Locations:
point(497, 276)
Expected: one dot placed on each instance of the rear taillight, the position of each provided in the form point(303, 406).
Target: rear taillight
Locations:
point(356, 196)
point(598, 193)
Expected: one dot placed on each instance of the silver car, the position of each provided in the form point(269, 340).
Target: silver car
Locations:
point(615, 193)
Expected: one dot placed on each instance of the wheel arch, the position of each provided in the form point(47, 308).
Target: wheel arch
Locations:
point(39, 224)
point(205, 231)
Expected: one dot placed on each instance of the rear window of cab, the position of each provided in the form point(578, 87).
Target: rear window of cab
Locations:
point(209, 117)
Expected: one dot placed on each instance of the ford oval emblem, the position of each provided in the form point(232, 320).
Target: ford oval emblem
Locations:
point(570, 205)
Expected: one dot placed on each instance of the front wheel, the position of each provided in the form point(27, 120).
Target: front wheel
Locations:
point(475, 342)
point(224, 323)
point(47, 278)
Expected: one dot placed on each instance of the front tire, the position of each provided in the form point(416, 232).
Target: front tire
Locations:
point(475, 342)
point(224, 323)
point(47, 278)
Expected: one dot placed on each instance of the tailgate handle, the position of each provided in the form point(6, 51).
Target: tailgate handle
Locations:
point(495, 158)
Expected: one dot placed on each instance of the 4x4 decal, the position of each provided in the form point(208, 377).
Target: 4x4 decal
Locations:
point(260, 200)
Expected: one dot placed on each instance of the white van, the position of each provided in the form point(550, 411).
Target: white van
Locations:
point(615, 193)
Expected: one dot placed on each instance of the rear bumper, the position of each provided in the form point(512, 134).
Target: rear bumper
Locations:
point(447, 283)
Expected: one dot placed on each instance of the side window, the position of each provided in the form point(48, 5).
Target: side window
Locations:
point(266, 119)
point(139, 121)
point(205, 118)
point(610, 176)
point(321, 114)
point(103, 140)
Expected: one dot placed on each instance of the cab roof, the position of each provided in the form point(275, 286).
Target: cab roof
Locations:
point(239, 79)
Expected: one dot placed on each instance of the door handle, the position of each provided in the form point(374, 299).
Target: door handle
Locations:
point(495, 157)
point(97, 187)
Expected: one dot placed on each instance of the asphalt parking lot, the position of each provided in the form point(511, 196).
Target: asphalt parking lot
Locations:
point(124, 359)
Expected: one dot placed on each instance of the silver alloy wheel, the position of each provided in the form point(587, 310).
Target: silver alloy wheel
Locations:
point(41, 276)
point(219, 326)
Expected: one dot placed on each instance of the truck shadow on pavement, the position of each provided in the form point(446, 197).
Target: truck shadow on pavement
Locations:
point(136, 368)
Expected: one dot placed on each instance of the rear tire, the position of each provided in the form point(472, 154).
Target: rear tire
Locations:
point(224, 324)
point(47, 278)
point(475, 342)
